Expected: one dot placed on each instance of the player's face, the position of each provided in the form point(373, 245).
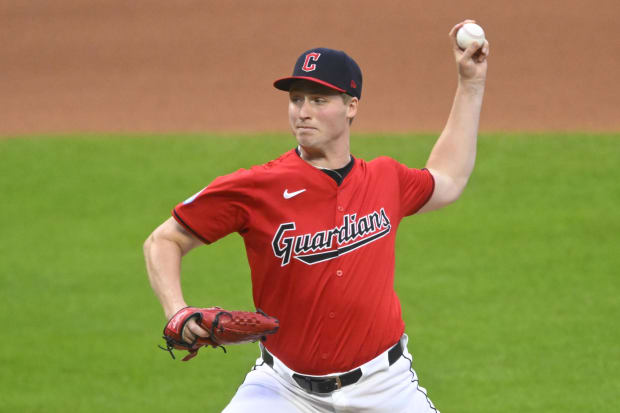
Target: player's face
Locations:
point(318, 115)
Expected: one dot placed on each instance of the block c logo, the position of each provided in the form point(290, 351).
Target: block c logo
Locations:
point(307, 67)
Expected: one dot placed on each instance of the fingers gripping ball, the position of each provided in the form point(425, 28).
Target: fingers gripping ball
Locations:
point(469, 33)
point(224, 327)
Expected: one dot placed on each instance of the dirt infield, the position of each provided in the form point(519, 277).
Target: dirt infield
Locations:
point(199, 65)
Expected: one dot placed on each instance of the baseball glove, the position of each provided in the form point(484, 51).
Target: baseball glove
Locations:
point(224, 327)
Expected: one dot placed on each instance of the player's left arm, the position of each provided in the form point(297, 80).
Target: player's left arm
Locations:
point(452, 159)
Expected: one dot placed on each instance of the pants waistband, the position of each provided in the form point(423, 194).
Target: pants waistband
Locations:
point(313, 384)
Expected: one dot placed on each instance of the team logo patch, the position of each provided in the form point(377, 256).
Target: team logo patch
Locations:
point(309, 67)
point(326, 245)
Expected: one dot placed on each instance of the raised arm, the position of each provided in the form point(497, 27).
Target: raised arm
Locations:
point(452, 159)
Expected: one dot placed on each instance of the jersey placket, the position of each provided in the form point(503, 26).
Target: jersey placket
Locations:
point(337, 273)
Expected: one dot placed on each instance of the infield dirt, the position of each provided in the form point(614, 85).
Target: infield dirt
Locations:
point(141, 66)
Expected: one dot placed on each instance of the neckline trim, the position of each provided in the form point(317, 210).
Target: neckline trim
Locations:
point(337, 175)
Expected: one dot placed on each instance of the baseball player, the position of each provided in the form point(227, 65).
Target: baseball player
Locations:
point(319, 227)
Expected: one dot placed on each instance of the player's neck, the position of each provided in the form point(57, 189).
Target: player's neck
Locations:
point(328, 159)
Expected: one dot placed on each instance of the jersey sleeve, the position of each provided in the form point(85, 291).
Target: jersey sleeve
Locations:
point(416, 188)
point(223, 207)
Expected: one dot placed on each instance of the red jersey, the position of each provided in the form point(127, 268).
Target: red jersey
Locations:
point(321, 254)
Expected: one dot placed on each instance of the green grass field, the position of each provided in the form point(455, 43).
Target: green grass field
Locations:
point(509, 295)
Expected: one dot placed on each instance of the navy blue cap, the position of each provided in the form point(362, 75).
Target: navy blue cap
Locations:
point(328, 67)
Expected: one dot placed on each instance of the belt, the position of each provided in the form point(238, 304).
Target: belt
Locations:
point(329, 384)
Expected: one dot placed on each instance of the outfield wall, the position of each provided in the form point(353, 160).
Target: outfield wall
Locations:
point(199, 65)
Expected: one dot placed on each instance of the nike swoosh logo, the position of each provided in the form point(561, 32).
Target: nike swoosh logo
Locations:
point(289, 195)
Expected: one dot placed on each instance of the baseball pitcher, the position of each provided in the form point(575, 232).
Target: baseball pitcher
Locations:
point(319, 227)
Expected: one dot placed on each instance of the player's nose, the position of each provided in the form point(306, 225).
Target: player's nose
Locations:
point(304, 108)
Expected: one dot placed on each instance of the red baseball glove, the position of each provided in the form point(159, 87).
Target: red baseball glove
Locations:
point(224, 327)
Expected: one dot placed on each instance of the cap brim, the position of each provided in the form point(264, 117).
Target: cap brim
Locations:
point(285, 83)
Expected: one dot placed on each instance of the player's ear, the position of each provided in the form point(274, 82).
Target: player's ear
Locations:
point(352, 107)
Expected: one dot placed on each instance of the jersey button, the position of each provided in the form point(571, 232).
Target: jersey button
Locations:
point(340, 208)
point(339, 273)
point(332, 315)
point(324, 356)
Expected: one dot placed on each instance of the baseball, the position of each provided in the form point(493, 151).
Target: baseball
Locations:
point(469, 33)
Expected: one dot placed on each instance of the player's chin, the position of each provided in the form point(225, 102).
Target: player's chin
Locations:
point(306, 135)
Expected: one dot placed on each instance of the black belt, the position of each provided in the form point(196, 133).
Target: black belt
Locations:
point(329, 384)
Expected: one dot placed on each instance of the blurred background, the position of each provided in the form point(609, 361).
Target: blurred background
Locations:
point(201, 65)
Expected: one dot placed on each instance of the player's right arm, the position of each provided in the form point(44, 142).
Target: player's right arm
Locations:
point(163, 252)
point(452, 159)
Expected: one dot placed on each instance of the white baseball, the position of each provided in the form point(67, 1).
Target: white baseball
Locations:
point(469, 33)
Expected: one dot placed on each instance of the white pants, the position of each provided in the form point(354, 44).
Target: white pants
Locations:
point(382, 388)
